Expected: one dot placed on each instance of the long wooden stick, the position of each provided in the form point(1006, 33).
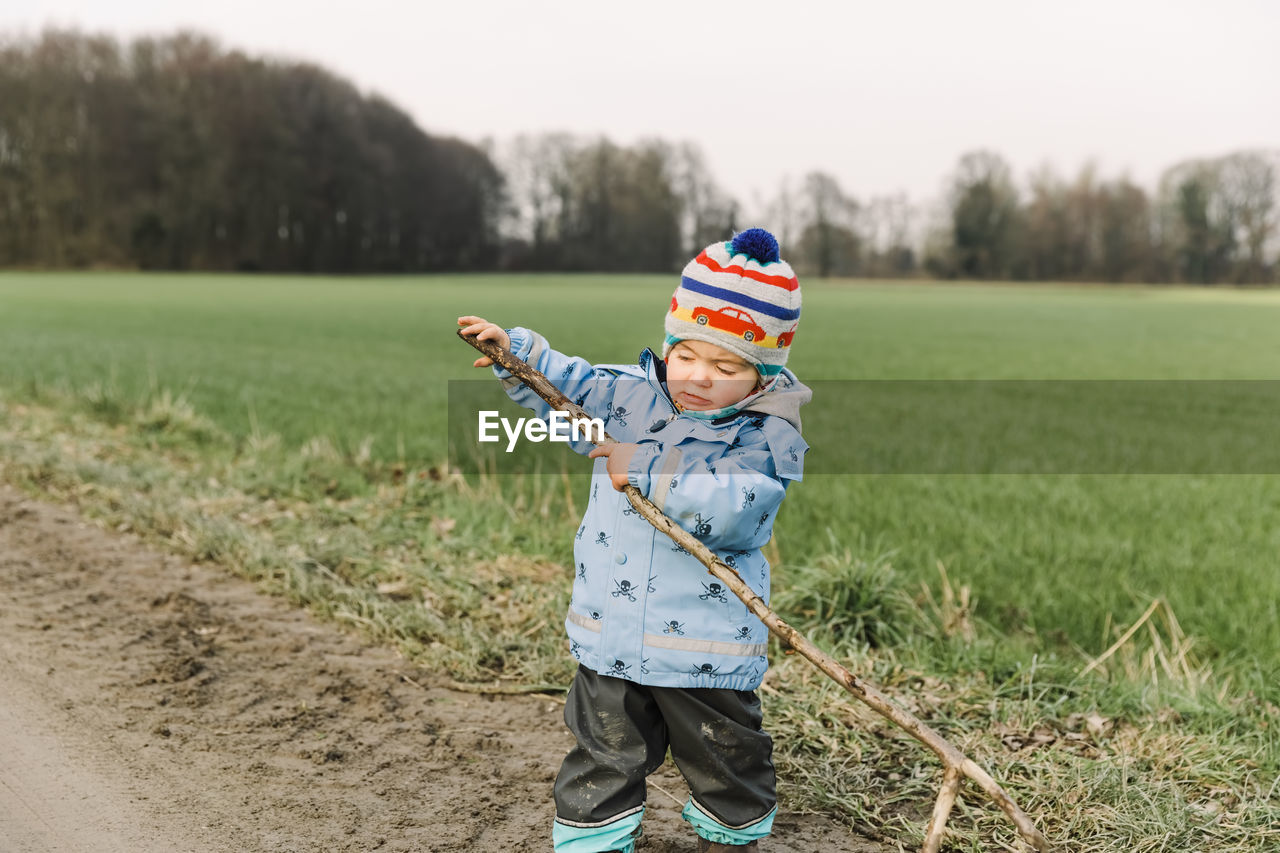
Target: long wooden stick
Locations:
point(954, 762)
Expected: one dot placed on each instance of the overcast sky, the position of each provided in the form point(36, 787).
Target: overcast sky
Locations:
point(883, 95)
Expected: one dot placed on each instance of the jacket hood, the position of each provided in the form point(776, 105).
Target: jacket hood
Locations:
point(783, 399)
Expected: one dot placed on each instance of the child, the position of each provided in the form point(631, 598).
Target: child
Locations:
point(668, 658)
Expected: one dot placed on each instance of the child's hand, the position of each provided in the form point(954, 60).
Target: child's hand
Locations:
point(619, 458)
point(483, 330)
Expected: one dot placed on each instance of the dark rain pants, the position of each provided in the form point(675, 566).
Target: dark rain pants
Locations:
point(624, 730)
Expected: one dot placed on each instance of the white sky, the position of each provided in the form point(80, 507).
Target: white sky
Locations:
point(884, 95)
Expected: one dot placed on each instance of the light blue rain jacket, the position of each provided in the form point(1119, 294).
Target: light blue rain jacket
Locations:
point(643, 608)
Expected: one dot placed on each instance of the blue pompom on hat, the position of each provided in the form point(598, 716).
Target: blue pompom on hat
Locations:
point(756, 243)
point(739, 295)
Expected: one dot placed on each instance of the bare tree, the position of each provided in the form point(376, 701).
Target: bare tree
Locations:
point(1251, 196)
point(985, 217)
point(1128, 253)
point(708, 213)
point(886, 223)
point(829, 242)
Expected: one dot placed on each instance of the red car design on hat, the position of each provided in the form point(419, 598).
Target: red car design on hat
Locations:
point(729, 320)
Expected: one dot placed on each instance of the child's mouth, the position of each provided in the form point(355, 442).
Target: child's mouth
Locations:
point(693, 399)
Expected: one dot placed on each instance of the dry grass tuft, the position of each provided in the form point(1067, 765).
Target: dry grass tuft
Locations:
point(1154, 649)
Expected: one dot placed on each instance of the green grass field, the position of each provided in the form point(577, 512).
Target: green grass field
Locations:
point(178, 404)
point(368, 360)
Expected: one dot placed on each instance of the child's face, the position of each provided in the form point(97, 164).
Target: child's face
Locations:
point(704, 377)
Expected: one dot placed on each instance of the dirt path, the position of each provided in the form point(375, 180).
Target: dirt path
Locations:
point(151, 705)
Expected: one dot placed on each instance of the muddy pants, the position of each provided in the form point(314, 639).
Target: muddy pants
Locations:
point(623, 731)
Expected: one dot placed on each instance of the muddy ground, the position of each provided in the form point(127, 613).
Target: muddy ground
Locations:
point(147, 705)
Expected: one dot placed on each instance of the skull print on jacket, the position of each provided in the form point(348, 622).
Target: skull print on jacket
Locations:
point(697, 471)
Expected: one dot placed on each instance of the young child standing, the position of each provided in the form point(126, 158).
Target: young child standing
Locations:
point(668, 658)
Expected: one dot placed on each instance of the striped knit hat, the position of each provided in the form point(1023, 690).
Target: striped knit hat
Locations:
point(740, 296)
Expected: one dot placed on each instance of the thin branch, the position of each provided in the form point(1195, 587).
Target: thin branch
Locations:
point(942, 810)
point(670, 795)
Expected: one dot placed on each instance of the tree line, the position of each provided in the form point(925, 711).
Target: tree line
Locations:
point(173, 153)
point(1209, 221)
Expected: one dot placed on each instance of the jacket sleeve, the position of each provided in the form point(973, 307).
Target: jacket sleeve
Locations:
point(590, 387)
point(726, 497)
